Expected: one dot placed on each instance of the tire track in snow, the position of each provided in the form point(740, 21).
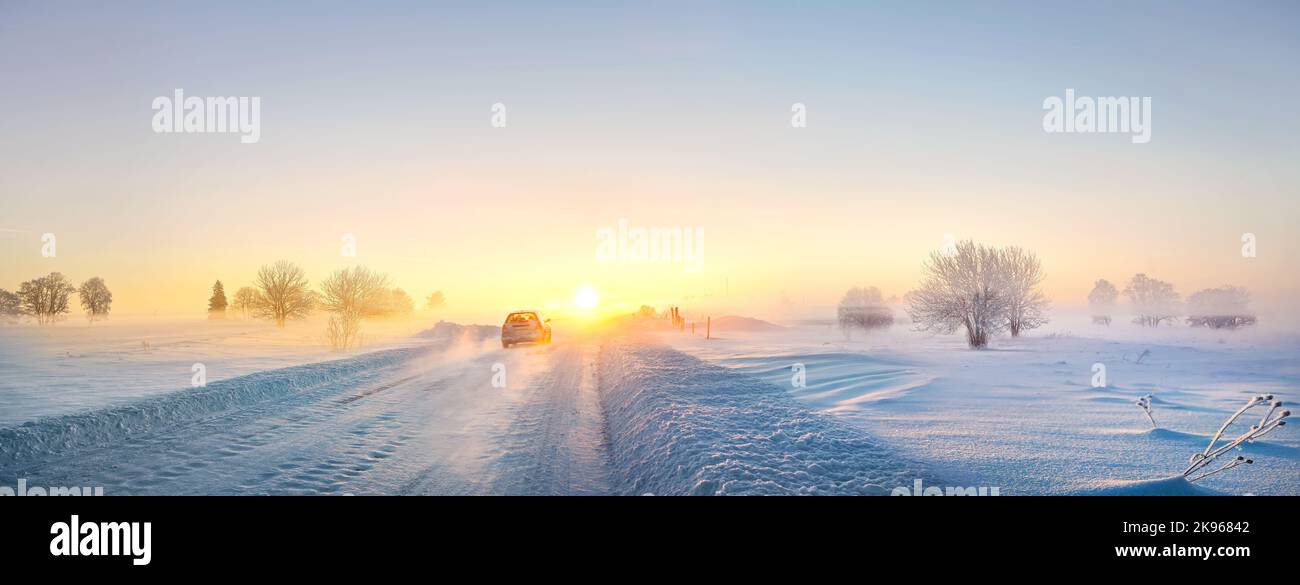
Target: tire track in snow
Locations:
point(557, 442)
point(307, 442)
point(543, 434)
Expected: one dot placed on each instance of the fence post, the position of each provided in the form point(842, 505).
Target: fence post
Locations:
point(708, 328)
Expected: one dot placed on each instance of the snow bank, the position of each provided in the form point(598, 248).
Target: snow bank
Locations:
point(679, 426)
point(734, 323)
point(62, 434)
point(1169, 486)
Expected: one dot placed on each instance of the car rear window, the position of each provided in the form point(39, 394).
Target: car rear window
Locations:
point(521, 317)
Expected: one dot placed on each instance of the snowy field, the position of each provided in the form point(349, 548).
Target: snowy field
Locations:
point(632, 413)
point(591, 414)
point(1024, 416)
point(73, 366)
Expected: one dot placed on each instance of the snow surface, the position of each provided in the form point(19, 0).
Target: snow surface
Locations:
point(678, 426)
point(423, 419)
point(634, 413)
point(75, 367)
point(581, 416)
point(1024, 417)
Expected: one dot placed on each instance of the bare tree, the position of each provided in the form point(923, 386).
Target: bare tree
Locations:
point(863, 308)
point(1102, 301)
point(1154, 301)
point(1026, 304)
point(283, 293)
point(1219, 308)
point(349, 295)
point(244, 301)
point(46, 298)
point(96, 299)
point(962, 288)
point(11, 306)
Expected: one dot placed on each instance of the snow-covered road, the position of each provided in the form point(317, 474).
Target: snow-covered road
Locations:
point(412, 421)
point(589, 415)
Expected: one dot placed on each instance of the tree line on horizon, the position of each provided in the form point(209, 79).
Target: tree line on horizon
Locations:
point(969, 287)
point(985, 291)
point(281, 293)
point(1155, 302)
point(47, 299)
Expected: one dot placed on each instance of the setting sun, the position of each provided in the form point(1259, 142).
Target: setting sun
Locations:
point(586, 298)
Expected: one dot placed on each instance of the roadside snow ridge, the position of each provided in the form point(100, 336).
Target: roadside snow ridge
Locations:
point(678, 426)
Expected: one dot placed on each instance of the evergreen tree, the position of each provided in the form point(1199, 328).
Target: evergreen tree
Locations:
point(217, 304)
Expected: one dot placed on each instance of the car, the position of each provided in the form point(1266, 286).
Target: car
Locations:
point(525, 326)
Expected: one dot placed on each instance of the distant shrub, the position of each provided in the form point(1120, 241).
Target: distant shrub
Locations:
point(1154, 301)
point(1221, 321)
point(865, 318)
point(1226, 307)
point(1102, 301)
point(863, 308)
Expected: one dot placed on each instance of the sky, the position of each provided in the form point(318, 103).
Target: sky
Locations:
point(923, 120)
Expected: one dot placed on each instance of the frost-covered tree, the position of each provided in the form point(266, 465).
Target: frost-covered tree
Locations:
point(244, 301)
point(1102, 301)
point(96, 300)
point(863, 308)
point(46, 298)
point(962, 288)
point(1026, 304)
point(1153, 301)
point(349, 295)
point(282, 293)
point(11, 307)
point(1218, 308)
point(217, 302)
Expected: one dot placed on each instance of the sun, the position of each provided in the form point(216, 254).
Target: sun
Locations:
point(586, 298)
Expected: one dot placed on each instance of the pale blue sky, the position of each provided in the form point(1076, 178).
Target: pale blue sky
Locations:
point(672, 112)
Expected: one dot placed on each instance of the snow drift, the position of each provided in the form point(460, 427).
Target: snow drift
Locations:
point(680, 426)
point(67, 433)
point(1170, 486)
point(747, 324)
